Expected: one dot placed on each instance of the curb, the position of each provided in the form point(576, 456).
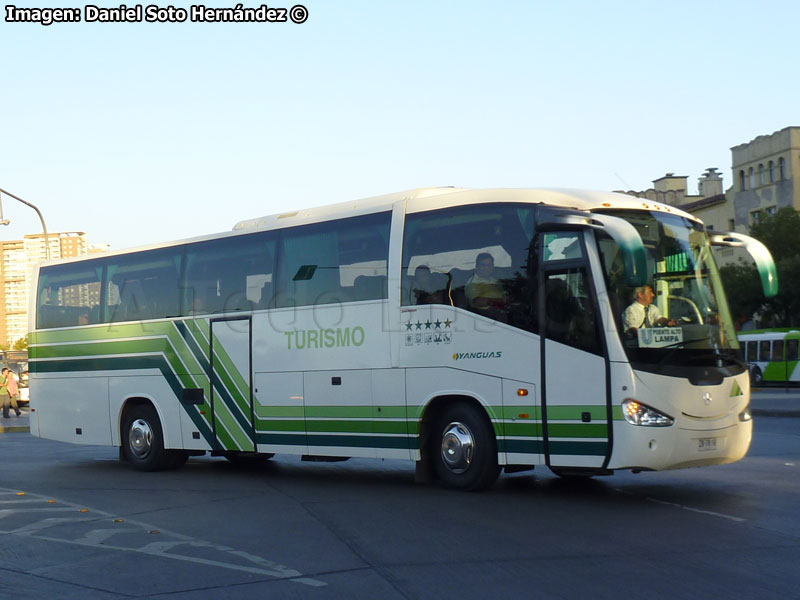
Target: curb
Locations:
point(15, 429)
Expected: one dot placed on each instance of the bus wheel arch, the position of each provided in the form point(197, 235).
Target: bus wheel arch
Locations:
point(457, 440)
point(142, 438)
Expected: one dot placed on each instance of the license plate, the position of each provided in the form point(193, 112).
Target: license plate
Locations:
point(706, 444)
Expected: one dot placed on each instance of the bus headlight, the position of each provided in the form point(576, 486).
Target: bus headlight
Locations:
point(637, 413)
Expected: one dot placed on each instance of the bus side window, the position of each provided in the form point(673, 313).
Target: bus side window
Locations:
point(143, 285)
point(764, 354)
point(752, 351)
point(69, 295)
point(777, 350)
point(334, 261)
point(473, 258)
point(131, 301)
point(228, 274)
point(791, 350)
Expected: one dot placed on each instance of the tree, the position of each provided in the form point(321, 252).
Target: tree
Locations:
point(21, 344)
point(779, 233)
point(742, 289)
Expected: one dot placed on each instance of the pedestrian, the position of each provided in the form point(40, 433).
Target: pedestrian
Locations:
point(8, 391)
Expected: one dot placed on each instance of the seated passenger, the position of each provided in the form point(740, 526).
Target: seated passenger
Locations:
point(428, 288)
point(643, 313)
point(483, 290)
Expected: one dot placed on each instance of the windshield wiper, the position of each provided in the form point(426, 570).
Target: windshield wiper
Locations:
point(676, 346)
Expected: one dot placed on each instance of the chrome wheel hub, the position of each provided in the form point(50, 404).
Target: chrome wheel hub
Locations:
point(140, 438)
point(458, 447)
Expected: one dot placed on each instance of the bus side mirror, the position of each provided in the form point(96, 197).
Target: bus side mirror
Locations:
point(623, 233)
point(762, 257)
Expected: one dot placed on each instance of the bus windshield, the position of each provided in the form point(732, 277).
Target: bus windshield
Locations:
point(687, 321)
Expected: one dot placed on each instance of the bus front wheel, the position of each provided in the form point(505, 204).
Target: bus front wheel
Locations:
point(143, 441)
point(757, 376)
point(465, 450)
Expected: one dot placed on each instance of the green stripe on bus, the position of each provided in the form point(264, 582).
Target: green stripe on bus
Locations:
point(579, 430)
point(227, 393)
point(578, 448)
point(236, 381)
point(344, 412)
point(521, 446)
point(333, 441)
point(358, 441)
point(575, 413)
point(101, 332)
point(233, 436)
point(296, 425)
point(348, 426)
point(523, 428)
point(200, 330)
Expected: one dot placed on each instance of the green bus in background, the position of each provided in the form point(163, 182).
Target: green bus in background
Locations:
point(771, 355)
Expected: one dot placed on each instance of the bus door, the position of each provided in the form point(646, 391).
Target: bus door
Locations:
point(574, 388)
point(231, 389)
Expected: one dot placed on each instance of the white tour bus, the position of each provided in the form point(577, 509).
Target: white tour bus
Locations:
point(467, 330)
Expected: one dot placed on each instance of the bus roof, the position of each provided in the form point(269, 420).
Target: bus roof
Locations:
point(417, 200)
point(443, 197)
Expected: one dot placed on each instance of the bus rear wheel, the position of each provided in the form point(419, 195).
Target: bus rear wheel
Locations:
point(143, 441)
point(756, 376)
point(465, 450)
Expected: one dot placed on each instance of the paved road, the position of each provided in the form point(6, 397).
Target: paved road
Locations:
point(75, 523)
point(776, 402)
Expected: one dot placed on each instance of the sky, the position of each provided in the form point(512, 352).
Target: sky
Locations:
point(140, 133)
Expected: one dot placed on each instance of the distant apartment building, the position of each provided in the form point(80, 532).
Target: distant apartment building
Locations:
point(17, 259)
point(766, 174)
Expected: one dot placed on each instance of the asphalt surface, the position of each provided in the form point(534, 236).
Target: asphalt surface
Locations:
point(764, 402)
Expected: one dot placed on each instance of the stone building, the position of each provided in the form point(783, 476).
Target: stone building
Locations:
point(766, 174)
point(710, 205)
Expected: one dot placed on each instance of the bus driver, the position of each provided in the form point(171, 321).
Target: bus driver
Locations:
point(642, 312)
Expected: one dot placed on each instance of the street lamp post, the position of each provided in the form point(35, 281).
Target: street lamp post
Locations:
point(38, 212)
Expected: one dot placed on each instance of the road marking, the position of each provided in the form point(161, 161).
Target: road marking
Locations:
point(96, 535)
point(698, 510)
point(683, 506)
